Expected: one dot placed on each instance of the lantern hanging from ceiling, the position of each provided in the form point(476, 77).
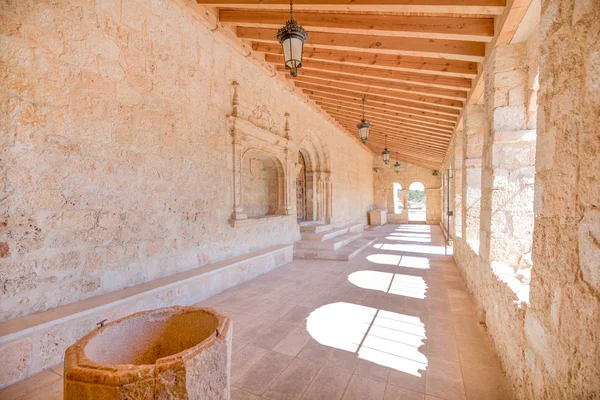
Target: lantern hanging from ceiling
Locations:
point(292, 38)
point(397, 165)
point(386, 153)
point(363, 127)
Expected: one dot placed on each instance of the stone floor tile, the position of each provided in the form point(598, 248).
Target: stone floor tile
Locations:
point(361, 388)
point(38, 381)
point(442, 345)
point(437, 322)
point(293, 381)
point(239, 394)
point(315, 352)
point(485, 383)
point(260, 376)
point(253, 329)
point(342, 359)
point(408, 381)
point(293, 343)
point(329, 384)
point(59, 369)
point(244, 360)
point(297, 316)
point(237, 346)
point(444, 379)
point(370, 370)
point(477, 351)
point(270, 337)
point(397, 393)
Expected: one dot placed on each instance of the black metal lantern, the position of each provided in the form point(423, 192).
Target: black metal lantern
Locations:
point(292, 38)
point(363, 127)
point(386, 153)
point(397, 165)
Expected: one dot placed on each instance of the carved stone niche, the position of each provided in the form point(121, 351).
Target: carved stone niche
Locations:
point(263, 168)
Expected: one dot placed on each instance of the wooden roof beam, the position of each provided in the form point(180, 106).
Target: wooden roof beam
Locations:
point(472, 29)
point(379, 100)
point(306, 82)
point(383, 84)
point(440, 48)
point(424, 65)
point(410, 78)
point(460, 7)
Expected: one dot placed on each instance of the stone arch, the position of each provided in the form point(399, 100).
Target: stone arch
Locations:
point(417, 209)
point(262, 183)
point(318, 179)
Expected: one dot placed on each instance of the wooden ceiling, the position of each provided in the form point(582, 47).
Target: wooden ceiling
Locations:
point(416, 62)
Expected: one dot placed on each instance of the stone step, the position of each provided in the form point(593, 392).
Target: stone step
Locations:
point(332, 232)
point(331, 244)
point(345, 253)
point(313, 227)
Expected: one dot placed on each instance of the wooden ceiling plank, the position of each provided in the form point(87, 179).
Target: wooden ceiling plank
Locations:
point(416, 134)
point(378, 100)
point(356, 116)
point(457, 7)
point(409, 112)
point(439, 27)
point(424, 65)
point(307, 82)
point(374, 113)
point(438, 81)
point(383, 84)
point(447, 49)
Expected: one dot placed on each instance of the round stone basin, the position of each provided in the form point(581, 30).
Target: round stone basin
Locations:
point(173, 352)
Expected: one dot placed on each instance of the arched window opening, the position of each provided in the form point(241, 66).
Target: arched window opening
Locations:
point(417, 210)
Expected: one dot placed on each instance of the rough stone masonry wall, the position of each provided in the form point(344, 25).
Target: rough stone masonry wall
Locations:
point(116, 161)
point(563, 321)
point(550, 348)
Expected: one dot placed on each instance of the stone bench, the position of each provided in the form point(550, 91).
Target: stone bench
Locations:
point(38, 341)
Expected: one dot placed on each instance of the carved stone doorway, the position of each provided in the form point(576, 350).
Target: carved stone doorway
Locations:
point(301, 188)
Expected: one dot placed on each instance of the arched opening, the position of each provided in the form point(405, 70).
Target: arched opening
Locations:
point(314, 199)
point(262, 184)
point(301, 188)
point(417, 210)
point(394, 199)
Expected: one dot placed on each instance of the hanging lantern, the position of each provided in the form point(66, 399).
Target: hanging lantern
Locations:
point(397, 165)
point(386, 153)
point(292, 38)
point(363, 127)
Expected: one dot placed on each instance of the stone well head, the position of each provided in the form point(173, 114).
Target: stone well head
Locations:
point(168, 353)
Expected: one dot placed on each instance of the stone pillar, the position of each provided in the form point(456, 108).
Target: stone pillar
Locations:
point(458, 173)
point(311, 192)
point(238, 204)
point(328, 197)
point(289, 182)
point(475, 127)
point(508, 159)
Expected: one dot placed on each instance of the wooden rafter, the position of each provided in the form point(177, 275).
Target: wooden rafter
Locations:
point(416, 62)
point(453, 28)
point(459, 7)
point(442, 48)
point(425, 65)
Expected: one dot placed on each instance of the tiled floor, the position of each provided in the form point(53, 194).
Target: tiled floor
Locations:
point(394, 323)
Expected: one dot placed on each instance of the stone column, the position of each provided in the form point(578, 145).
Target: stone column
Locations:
point(508, 159)
point(328, 198)
point(289, 181)
point(458, 173)
point(475, 127)
point(311, 192)
point(238, 206)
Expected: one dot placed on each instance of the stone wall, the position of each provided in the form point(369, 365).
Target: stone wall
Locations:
point(117, 159)
point(546, 328)
point(384, 178)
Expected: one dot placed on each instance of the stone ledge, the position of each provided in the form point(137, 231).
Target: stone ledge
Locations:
point(38, 341)
point(251, 221)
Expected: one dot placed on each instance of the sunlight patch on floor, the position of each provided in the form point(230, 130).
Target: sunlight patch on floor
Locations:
point(398, 284)
point(382, 337)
